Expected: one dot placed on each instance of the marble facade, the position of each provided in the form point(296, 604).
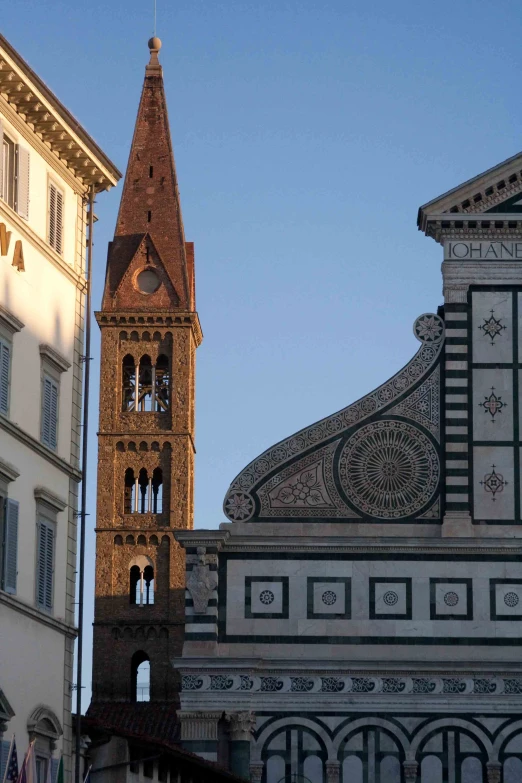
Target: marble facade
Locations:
point(357, 619)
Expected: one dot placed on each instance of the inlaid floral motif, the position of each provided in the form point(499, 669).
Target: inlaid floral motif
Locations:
point(304, 490)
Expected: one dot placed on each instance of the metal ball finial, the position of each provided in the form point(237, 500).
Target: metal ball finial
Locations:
point(154, 44)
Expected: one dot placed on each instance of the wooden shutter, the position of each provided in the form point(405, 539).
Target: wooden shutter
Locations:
point(22, 181)
point(1, 160)
point(45, 563)
point(11, 545)
point(5, 367)
point(50, 412)
point(55, 218)
point(54, 769)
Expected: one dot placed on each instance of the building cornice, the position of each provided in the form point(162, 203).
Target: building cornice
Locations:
point(41, 110)
point(28, 440)
point(29, 611)
point(23, 228)
point(8, 472)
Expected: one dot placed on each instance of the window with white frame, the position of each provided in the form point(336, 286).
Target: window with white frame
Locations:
point(55, 227)
point(14, 174)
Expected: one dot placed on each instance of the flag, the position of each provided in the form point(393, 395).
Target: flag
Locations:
point(28, 769)
point(59, 776)
point(87, 778)
point(11, 769)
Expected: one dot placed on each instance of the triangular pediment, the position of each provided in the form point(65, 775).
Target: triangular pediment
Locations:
point(6, 711)
point(138, 278)
point(497, 190)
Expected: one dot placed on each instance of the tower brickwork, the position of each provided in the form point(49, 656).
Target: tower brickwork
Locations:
point(149, 335)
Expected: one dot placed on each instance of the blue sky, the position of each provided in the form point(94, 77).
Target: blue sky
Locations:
point(306, 136)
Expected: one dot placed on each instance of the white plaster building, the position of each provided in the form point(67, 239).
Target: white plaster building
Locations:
point(358, 619)
point(47, 164)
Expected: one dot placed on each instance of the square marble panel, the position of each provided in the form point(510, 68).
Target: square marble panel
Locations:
point(390, 598)
point(451, 599)
point(506, 599)
point(493, 483)
point(266, 597)
point(492, 326)
point(328, 597)
point(492, 409)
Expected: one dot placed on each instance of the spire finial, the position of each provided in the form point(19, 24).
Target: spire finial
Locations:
point(154, 47)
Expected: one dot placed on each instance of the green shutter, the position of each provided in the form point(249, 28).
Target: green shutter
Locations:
point(11, 545)
point(45, 564)
point(5, 367)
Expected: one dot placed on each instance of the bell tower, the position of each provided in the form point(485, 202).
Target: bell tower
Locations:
point(149, 334)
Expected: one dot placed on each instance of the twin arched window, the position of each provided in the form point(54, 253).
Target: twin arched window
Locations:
point(150, 390)
point(141, 585)
point(143, 493)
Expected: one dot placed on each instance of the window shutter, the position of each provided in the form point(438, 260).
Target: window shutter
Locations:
point(1, 160)
point(55, 217)
point(4, 755)
point(44, 586)
point(5, 366)
point(49, 412)
point(11, 545)
point(54, 769)
point(22, 181)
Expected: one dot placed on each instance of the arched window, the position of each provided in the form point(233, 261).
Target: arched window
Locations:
point(141, 581)
point(44, 729)
point(140, 677)
point(143, 494)
point(162, 384)
point(157, 491)
point(128, 383)
point(129, 495)
point(146, 384)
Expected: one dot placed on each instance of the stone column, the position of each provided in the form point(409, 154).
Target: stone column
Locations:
point(199, 732)
point(333, 771)
point(256, 772)
point(494, 770)
point(240, 728)
point(410, 771)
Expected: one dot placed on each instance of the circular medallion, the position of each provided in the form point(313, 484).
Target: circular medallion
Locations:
point(389, 469)
point(428, 328)
point(451, 599)
point(266, 597)
point(328, 597)
point(390, 598)
point(239, 506)
point(511, 599)
point(148, 281)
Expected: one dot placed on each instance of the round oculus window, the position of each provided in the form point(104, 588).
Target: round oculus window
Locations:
point(148, 281)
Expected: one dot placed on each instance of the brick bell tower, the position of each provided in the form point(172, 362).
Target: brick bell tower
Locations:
point(149, 335)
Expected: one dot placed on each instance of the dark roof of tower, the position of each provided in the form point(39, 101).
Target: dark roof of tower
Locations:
point(150, 202)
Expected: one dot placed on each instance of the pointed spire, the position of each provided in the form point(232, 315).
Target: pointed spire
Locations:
point(150, 205)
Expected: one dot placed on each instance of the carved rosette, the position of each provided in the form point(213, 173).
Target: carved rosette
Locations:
point(240, 725)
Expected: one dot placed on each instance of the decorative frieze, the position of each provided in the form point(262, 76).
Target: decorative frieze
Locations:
point(341, 685)
point(199, 725)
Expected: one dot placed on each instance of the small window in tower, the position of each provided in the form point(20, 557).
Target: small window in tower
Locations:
point(128, 383)
point(144, 499)
point(162, 385)
point(129, 497)
point(140, 676)
point(145, 384)
point(149, 216)
point(148, 578)
point(157, 491)
point(151, 171)
point(135, 580)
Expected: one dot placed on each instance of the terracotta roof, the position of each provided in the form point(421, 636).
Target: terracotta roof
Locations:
point(152, 718)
